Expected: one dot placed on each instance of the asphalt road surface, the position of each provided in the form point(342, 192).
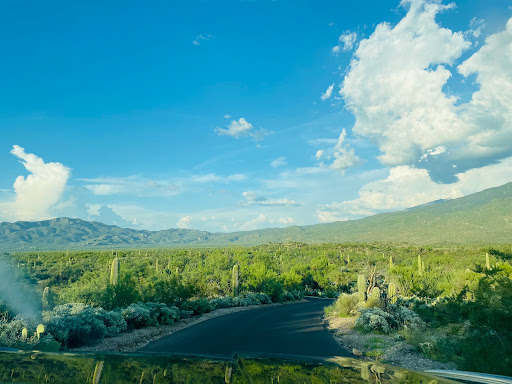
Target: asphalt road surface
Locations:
point(294, 329)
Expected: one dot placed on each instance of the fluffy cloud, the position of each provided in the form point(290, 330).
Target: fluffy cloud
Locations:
point(286, 220)
point(345, 42)
point(396, 94)
point(37, 193)
point(344, 156)
point(255, 223)
point(328, 92)
point(279, 162)
point(241, 128)
point(394, 88)
point(407, 187)
point(184, 222)
point(105, 214)
point(252, 198)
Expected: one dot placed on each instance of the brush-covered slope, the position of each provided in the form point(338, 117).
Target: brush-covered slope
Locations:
point(482, 218)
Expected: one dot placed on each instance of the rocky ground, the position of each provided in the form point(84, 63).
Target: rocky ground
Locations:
point(383, 348)
point(139, 338)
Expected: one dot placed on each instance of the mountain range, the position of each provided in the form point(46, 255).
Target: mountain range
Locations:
point(481, 218)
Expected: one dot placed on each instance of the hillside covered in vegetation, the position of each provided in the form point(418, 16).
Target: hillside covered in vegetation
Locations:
point(480, 218)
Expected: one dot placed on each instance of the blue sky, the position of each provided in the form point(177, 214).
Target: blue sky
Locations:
point(239, 115)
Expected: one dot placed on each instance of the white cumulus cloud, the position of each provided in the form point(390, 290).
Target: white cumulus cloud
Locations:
point(395, 89)
point(241, 128)
point(286, 220)
point(407, 187)
point(346, 42)
point(184, 222)
point(41, 190)
point(328, 92)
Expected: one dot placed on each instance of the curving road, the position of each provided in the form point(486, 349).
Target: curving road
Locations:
point(295, 329)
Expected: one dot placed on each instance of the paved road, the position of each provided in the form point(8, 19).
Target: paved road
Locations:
point(294, 329)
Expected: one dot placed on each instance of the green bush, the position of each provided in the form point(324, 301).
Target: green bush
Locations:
point(222, 302)
point(11, 332)
point(162, 314)
point(375, 320)
point(113, 321)
point(73, 325)
point(396, 318)
point(138, 316)
point(346, 305)
point(198, 307)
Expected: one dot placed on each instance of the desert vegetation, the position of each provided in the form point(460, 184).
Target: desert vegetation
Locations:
point(440, 299)
point(449, 311)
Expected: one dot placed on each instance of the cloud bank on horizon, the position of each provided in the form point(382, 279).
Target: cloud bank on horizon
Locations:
point(432, 119)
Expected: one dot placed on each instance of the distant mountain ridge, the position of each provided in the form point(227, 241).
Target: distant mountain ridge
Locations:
point(481, 218)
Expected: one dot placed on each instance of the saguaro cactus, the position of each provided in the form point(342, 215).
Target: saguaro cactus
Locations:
point(375, 293)
point(24, 334)
point(114, 271)
point(392, 292)
point(39, 331)
point(47, 299)
point(420, 266)
point(234, 280)
point(487, 262)
point(390, 262)
point(361, 287)
point(98, 370)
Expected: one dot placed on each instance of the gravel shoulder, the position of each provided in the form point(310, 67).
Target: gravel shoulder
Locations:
point(383, 348)
point(138, 338)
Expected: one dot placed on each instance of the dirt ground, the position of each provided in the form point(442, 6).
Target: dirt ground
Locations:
point(383, 348)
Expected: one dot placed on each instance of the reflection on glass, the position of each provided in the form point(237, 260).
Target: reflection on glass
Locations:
point(35, 367)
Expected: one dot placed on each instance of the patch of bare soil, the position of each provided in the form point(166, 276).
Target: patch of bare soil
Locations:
point(387, 349)
point(139, 338)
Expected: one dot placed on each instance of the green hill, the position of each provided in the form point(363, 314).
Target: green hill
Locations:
point(480, 218)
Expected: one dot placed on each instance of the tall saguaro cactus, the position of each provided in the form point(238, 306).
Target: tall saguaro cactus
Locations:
point(392, 292)
point(234, 280)
point(361, 287)
point(420, 266)
point(114, 271)
point(487, 261)
point(390, 262)
point(48, 301)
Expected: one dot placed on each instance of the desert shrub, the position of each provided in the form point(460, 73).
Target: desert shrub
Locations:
point(263, 298)
point(372, 302)
point(11, 332)
point(273, 288)
point(221, 302)
point(113, 321)
point(346, 305)
point(137, 316)
point(288, 296)
point(330, 293)
point(184, 314)
point(74, 324)
point(375, 320)
point(120, 295)
point(161, 313)
point(198, 307)
point(397, 318)
point(298, 295)
point(405, 318)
